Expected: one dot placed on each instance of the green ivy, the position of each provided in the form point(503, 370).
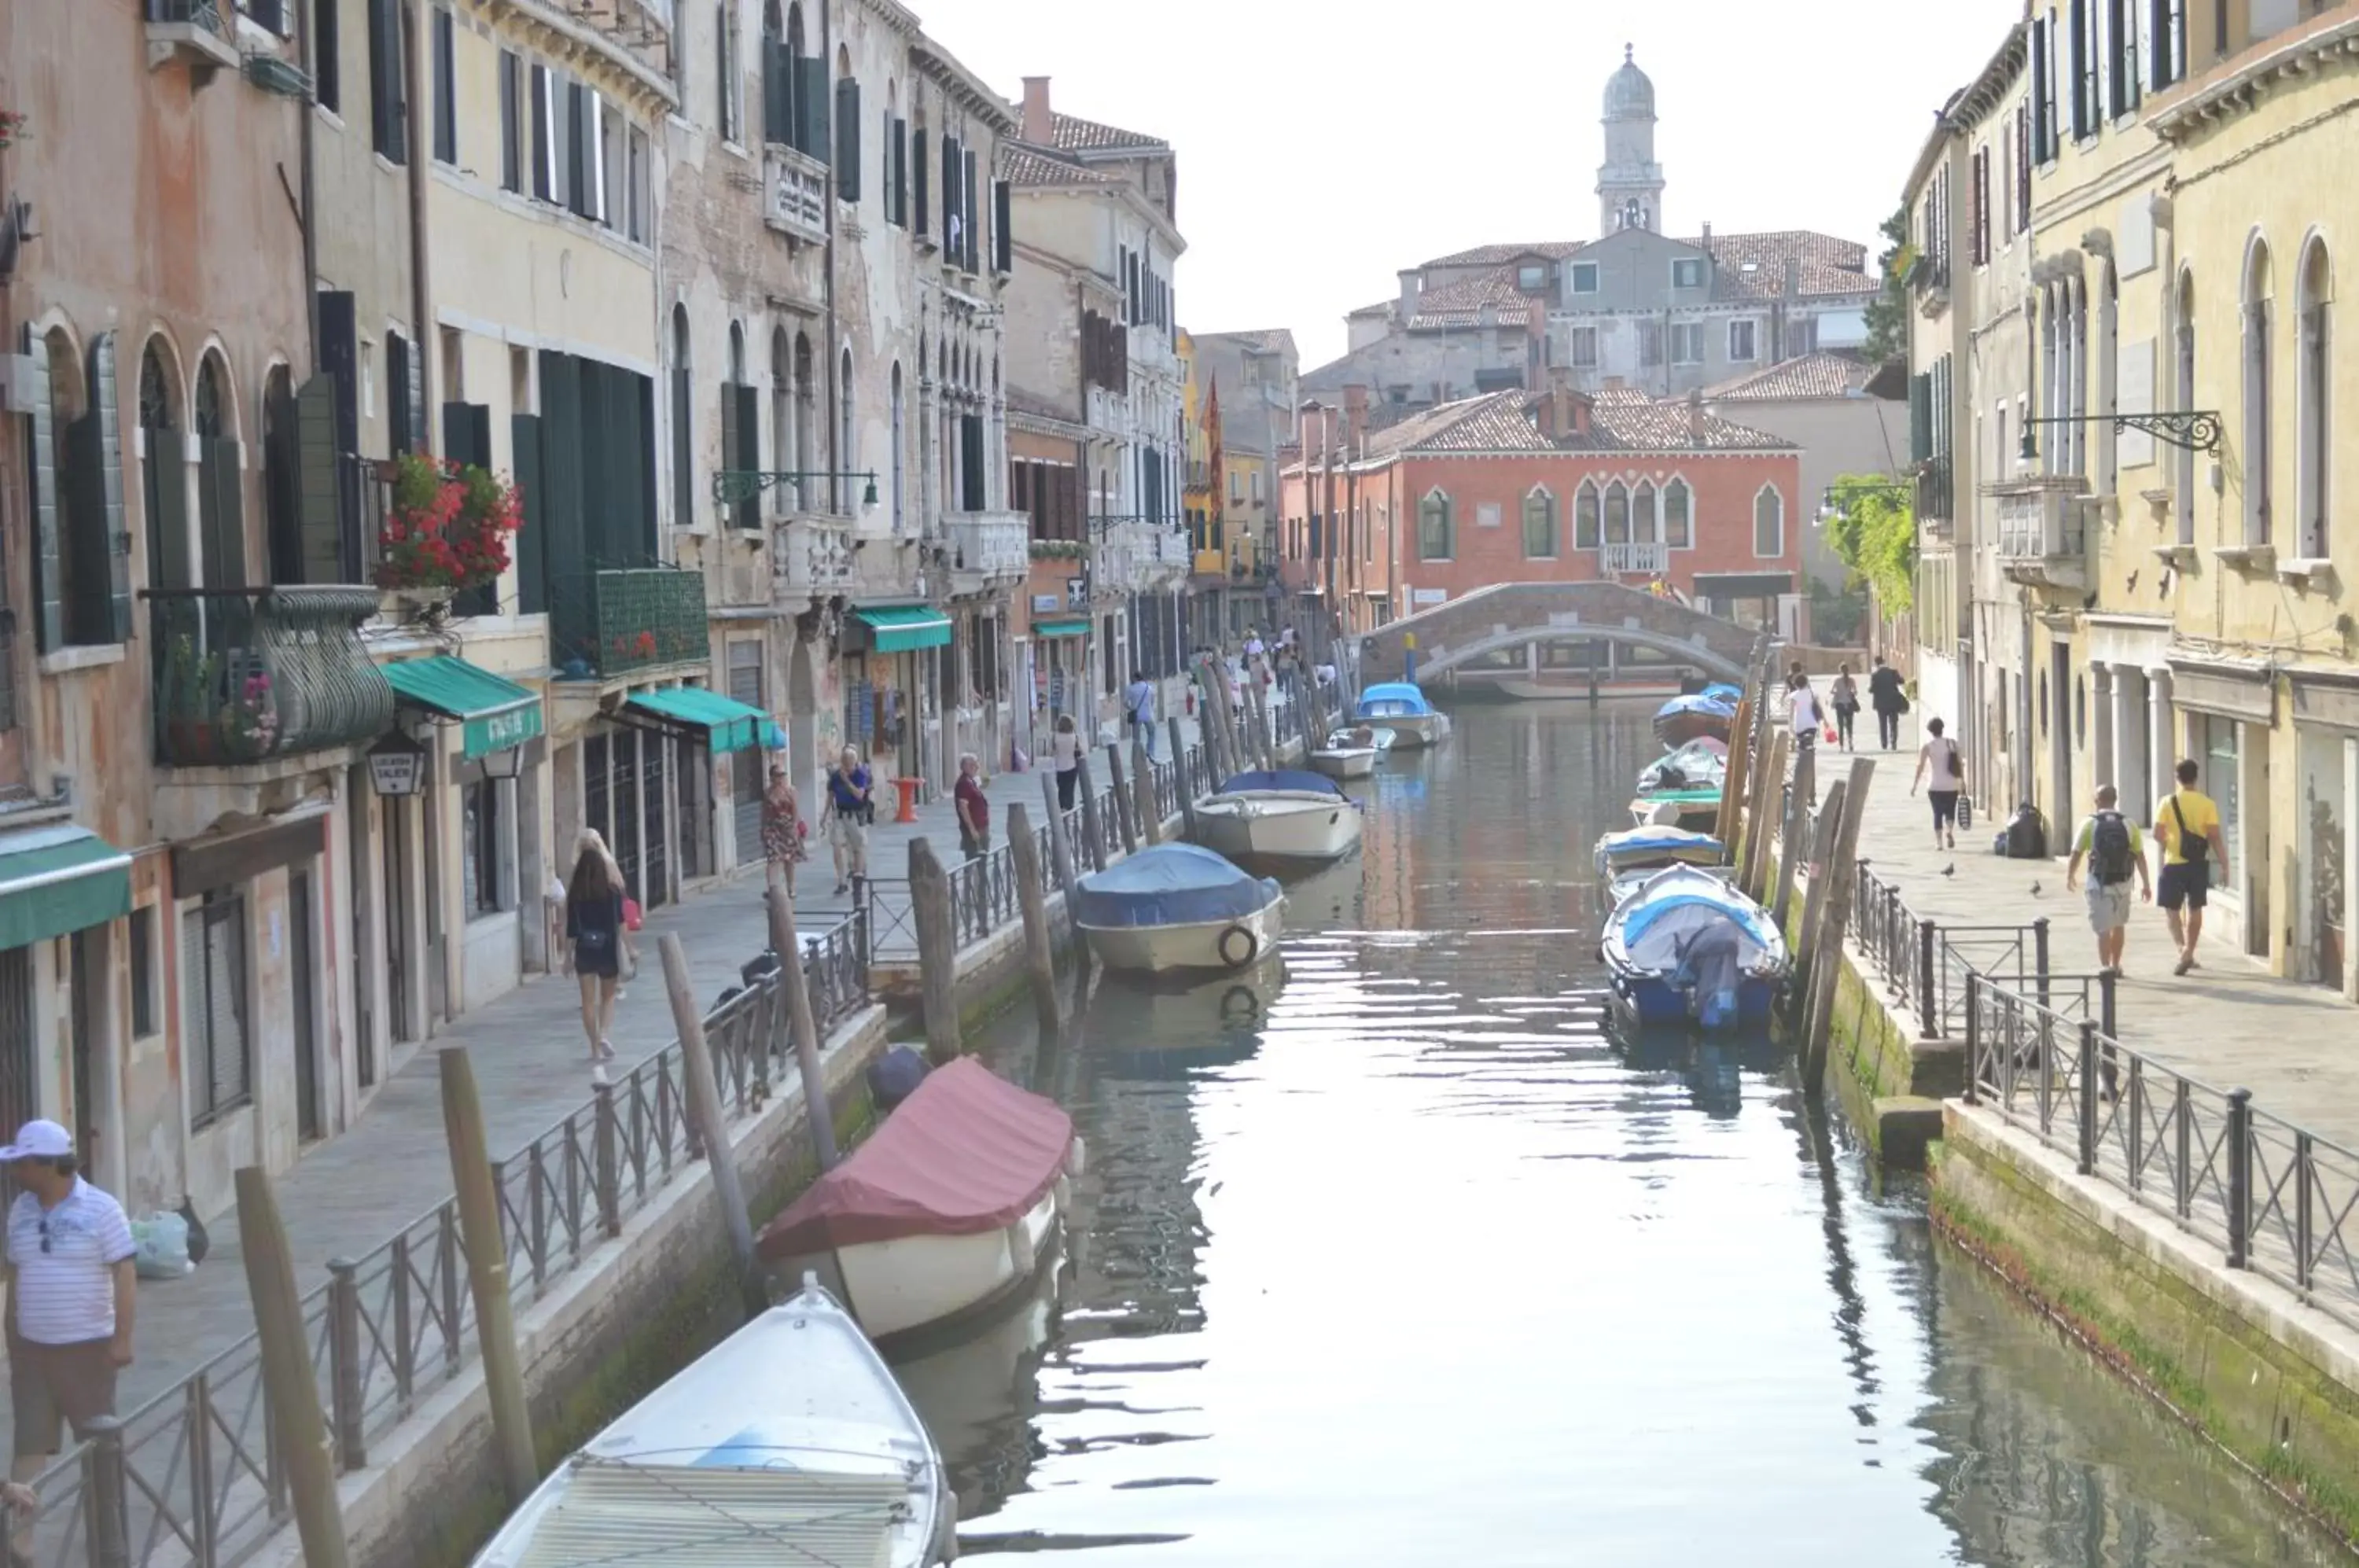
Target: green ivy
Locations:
point(1874, 532)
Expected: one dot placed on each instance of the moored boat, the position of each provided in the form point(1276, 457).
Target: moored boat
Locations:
point(1402, 708)
point(1686, 944)
point(1683, 719)
point(1653, 848)
point(944, 1213)
point(1281, 817)
point(1699, 764)
point(1174, 908)
point(787, 1441)
point(1697, 810)
point(1350, 754)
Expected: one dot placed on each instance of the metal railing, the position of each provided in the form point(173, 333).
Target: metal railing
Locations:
point(243, 675)
point(610, 622)
point(197, 1474)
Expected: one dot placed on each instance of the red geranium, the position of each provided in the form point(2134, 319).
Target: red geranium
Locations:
point(447, 527)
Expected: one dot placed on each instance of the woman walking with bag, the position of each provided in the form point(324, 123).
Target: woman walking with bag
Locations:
point(782, 828)
point(593, 924)
point(1065, 752)
point(1844, 696)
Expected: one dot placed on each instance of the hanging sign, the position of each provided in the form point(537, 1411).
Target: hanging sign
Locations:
point(397, 766)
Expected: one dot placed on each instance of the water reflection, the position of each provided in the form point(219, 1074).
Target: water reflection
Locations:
point(1409, 1260)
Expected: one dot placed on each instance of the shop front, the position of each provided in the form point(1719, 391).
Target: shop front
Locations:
point(2326, 901)
point(892, 702)
point(2228, 712)
point(1058, 677)
point(63, 891)
point(707, 731)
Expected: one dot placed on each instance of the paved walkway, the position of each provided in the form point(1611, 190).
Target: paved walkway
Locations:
point(2295, 1046)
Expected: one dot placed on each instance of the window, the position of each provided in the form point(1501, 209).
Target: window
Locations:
point(1257, 487)
point(634, 186)
point(485, 834)
point(847, 140)
point(1650, 342)
point(220, 1070)
point(2314, 435)
point(1437, 531)
point(1686, 342)
point(2020, 207)
point(1688, 273)
point(2183, 388)
point(1678, 533)
point(1740, 342)
point(2043, 90)
point(1585, 518)
point(1978, 198)
point(2168, 39)
point(388, 108)
point(1769, 524)
point(511, 146)
point(724, 77)
point(1531, 279)
point(2214, 741)
point(1645, 527)
point(544, 144)
point(1236, 487)
point(144, 1021)
point(446, 89)
point(327, 81)
point(683, 478)
point(1617, 513)
point(1584, 277)
point(848, 427)
point(1539, 526)
point(1584, 348)
point(2258, 370)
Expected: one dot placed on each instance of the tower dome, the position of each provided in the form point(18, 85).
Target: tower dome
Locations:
point(1629, 94)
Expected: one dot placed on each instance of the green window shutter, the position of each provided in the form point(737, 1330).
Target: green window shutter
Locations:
point(110, 517)
point(221, 517)
point(812, 107)
point(49, 568)
point(897, 177)
point(168, 510)
point(1921, 417)
point(414, 370)
point(731, 460)
point(920, 197)
point(951, 227)
point(749, 448)
point(1003, 237)
point(532, 541)
point(318, 486)
point(847, 140)
point(971, 249)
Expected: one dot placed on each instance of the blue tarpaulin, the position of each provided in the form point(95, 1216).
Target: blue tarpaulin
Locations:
point(1724, 690)
point(1284, 779)
point(1699, 704)
point(1393, 700)
point(1170, 885)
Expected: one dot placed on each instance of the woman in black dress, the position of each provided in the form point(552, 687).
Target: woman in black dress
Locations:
point(593, 923)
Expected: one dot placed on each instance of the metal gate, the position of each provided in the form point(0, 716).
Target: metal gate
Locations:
point(307, 1061)
point(656, 802)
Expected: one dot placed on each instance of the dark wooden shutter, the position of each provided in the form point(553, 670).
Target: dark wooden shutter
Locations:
point(813, 106)
point(467, 434)
point(972, 249)
point(577, 161)
point(1921, 417)
point(388, 113)
point(560, 463)
point(970, 462)
point(168, 518)
point(951, 227)
point(542, 158)
point(511, 123)
point(847, 140)
point(777, 92)
point(920, 199)
point(446, 88)
point(111, 519)
point(897, 175)
point(220, 515)
point(731, 461)
point(49, 567)
point(319, 486)
point(327, 80)
point(749, 448)
point(1003, 238)
point(2041, 111)
point(414, 368)
point(282, 481)
point(532, 538)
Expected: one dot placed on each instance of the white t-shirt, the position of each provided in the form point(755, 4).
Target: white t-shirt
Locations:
point(66, 1295)
point(1803, 708)
point(1940, 758)
point(1067, 750)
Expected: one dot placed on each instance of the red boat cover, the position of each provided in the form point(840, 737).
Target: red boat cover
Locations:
point(968, 1152)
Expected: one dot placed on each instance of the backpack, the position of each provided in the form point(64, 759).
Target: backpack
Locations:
point(2109, 848)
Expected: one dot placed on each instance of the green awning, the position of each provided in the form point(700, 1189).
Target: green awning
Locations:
point(58, 879)
point(1062, 626)
point(728, 724)
point(496, 713)
point(904, 628)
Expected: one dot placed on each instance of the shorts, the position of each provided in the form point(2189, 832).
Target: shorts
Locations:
point(2109, 906)
point(975, 844)
point(1945, 807)
point(52, 1385)
point(2185, 886)
point(849, 835)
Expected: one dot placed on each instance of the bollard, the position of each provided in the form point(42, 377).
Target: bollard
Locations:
point(109, 1497)
point(1928, 1007)
point(2087, 1140)
point(2108, 999)
point(610, 1175)
point(344, 1362)
point(1181, 778)
point(2039, 956)
point(929, 911)
point(2238, 1137)
point(1094, 850)
point(1147, 808)
point(1039, 956)
point(1974, 1040)
point(1118, 791)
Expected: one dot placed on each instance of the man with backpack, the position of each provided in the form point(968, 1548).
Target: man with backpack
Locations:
point(2187, 825)
point(2114, 852)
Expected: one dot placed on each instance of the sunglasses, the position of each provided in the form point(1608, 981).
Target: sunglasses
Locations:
point(45, 1236)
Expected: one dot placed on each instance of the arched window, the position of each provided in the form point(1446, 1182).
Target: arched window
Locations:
point(1679, 529)
point(1584, 517)
point(2314, 437)
point(777, 71)
point(683, 436)
point(1437, 528)
point(2103, 362)
point(59, 529)
point(164, 470)
point(848, 431)
point(1768, 523)
point(2183, 389)
point(1539, 526)
point(806, 452)
point(1617, 513)
point(2259, 452)
point(155, 393)
point(211, 407)
point(894, 456)
point(221, 483)
point(782, 415)
point(1645, 527)
point(736, 354)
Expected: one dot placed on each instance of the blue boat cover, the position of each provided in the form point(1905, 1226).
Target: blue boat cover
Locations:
point(1699, 704)
point(1284, 779)
point(1722, 690)
point(1170, 885)
point(1394, 699)
point(1668, 841)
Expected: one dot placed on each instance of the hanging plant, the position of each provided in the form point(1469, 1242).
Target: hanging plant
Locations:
point(12, 128)
point(447, 527)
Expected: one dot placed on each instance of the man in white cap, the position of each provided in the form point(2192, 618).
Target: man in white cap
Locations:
point(70, 1300)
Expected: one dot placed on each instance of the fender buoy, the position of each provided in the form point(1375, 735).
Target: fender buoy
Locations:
point(1228, 954)
point(1252, 1007)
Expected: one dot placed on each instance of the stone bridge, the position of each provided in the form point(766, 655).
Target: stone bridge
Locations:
point(1509, 614)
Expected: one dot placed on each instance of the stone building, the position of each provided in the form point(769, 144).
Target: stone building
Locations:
point(1829, 406)
point(1258, 376)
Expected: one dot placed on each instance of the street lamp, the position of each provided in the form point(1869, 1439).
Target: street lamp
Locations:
point(505, 764)
point(731, 486)
point(2195, 430)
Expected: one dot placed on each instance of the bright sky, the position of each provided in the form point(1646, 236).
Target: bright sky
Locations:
point(1324, 146)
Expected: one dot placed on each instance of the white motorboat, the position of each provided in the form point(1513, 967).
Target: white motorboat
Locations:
point(1284, 818)
point(949, 1210)
point(1175, 908)
point(1351, 754)
point(787, 1441)
point(1403, 709)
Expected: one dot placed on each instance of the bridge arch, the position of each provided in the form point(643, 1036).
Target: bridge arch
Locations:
point(1456, 656)
point(1508, 616)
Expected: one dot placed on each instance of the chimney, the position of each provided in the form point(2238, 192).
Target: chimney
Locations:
point(1037, 127)
point(1706, 242)
point(1695, 416)
point(1793, 277)
point(1411, 282)
point(1355, 413)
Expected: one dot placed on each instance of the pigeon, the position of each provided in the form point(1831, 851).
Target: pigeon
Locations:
point(2131, 586)
point(1950, 869)
point(2034, 889)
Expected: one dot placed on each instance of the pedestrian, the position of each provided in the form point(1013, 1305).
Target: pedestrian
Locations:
point(1138, 706)
point(1255, 648)
point(783, 832)
point(1065, 752)
point(593, 924)
point(1844, 695)
point(973, 807)
point(2115, 852)
point(1802, 710)
point(71, 1282)
point(2187, 824)
point(1884, 695)
point(1943, 767)
point(849, 811)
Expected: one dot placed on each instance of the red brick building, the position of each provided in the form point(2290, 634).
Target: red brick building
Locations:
point(1555, 486)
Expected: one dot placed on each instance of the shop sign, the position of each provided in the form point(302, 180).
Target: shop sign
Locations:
point(1430, 596)
point(1044, 603)
point(397, 766)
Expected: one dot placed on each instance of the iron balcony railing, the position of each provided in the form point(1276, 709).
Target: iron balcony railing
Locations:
point(1646, 558)
point(244, 675)
point(197, 1475)
point(1933, 491)
point(609, 622)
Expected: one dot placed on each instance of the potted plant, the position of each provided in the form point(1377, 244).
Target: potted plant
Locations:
point(445, 529)
point(12, 128)
point(187, 701)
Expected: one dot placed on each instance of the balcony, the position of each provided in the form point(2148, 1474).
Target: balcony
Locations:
point(199, 31)
point(796, 186)
point(248, 675)
point(812, 558)
point(988, 550)
point(607, 625)
point(1172, 550)
point(1636, 558)
point(1935, 505)
point(2043, 531)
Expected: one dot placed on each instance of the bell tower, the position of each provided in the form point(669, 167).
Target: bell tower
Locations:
point(1629, 182)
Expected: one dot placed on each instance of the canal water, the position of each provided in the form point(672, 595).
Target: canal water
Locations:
point(1407, 1260)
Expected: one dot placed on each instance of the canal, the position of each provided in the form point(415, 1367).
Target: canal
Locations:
point(1409, 1260)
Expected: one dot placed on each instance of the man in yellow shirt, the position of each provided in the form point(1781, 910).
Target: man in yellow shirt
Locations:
point(2187, 825)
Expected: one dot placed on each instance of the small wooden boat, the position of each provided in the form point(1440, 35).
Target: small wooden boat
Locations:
point(1175, 908)
point(1683, 719)
point(946, 1212)
point(1699, 764)
point(1727, 693)
point(1698, 811)
point(1686, 944)
point(788, 1442)
point(1402, 708)
point(1351, 754)
point(1280, 819)
point(1653, 848)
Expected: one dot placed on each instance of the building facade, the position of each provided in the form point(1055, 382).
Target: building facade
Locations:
point(1829, 406)
point(1258, 375)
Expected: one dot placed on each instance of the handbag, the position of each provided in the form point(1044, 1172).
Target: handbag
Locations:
point(632, 916)
point(1965, 811)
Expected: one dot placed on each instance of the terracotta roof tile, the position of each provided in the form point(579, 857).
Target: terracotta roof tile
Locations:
point(1073, 134)
point(1031, 166)
point(1498, 255)
point(1266, 340)
point(1461, 304)
point(1809, 376)
point(1470, 424)
point(1619, 422)
point(1636, 422)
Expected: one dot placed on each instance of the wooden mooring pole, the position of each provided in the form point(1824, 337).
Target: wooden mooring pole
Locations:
point(1186, 790)
point(930, 913)
point(1802, 940)
point(1118, 793)
point(299, 1429)
point(1040, 953)
point(1094, 851)
point(1758, 817)
point(1733, 780)
point(1827, 946)
point(1145, 808)
point(786, 942)
point(487, 1271)
point(1060, 848)
point(713, 1123)
point(1796, 830)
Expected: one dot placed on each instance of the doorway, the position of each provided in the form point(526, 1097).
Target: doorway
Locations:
point(393, 844)
point(88, 954)
point(2062, 686)
point(307, 1036)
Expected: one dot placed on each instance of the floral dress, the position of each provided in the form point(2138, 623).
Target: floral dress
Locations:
point(782, 828)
